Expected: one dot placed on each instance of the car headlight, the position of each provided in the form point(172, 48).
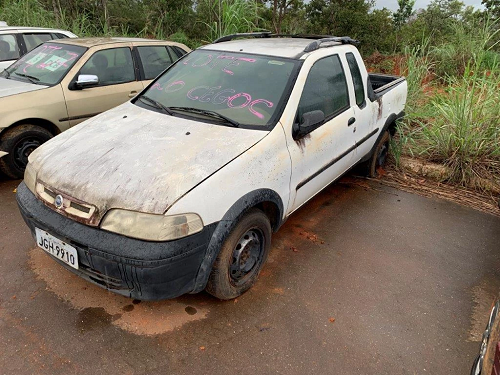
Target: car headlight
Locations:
point(30, 178)
point(151, 227)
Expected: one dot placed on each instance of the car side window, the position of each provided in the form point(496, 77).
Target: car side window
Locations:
point(155, 59)
point(325, 88)
point(34, 40)
point(356, 79)
point(176, 51)
point(9, 49)
point(60, 36)
point(111, 66)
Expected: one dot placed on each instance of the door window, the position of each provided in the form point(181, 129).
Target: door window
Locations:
point(34, 40)
point(9, 49)
point(179, 51)
point(356, 79)
point(112, 66)
point(155, 59)
point(325, 88)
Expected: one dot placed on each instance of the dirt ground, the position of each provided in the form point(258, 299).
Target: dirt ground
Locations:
point(364, 279)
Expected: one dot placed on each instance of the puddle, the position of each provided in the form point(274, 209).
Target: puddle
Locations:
point(100, 308)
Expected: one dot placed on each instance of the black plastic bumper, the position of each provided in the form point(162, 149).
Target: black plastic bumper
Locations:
point(133, 268)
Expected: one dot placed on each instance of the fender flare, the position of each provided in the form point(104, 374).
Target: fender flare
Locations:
point(227, 223)
point(390, 120)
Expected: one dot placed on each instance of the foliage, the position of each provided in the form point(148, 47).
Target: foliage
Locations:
point(448, 52)
point(403, 13)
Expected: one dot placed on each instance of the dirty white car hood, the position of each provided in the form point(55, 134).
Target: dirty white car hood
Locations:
point(10, 87)
point(137, 159)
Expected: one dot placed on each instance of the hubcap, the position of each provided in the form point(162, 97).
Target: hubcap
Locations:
point(246, 255)
point(23, 149)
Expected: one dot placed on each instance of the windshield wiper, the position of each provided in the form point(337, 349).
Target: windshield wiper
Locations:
point(155, 104)
point(206, 113)
point(31, 78)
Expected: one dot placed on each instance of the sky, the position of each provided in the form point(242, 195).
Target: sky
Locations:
point(393, 4)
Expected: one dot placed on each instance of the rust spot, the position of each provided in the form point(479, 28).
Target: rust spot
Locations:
point(302, 141)
point(380, 108)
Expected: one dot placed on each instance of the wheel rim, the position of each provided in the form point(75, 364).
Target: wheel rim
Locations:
point(23, 149)
point(382, 154)
point(247, 255)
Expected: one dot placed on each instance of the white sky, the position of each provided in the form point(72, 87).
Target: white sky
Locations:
point(393, 4)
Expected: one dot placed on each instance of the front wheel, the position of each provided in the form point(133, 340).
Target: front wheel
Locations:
point(20, 142)
point(241, 257)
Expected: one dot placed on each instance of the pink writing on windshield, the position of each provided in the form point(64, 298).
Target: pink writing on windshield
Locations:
point(210, 62)
point(242, 105)
point(205, 94)
point(171, 87)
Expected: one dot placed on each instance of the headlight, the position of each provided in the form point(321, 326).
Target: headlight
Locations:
point(30, 178)
point(151, 227)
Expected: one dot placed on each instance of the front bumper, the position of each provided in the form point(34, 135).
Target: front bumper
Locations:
point(137, 269)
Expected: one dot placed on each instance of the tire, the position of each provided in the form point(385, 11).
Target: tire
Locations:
point(241, 257)
point(379, 156)
point(20, 142)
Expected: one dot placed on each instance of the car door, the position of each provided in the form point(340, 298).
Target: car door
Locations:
point(324, 154)
point(118, 82)
point(365, 124)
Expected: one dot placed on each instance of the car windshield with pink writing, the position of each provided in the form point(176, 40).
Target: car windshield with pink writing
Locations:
point(248, 89)
point(45, 65)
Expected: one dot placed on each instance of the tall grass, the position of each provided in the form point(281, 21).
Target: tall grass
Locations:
point(231, 16)
point(466, 45)
point(454, 120)
point(464, 133)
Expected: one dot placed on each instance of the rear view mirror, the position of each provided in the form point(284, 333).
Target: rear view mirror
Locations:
point(87, 80)
point(309, 121)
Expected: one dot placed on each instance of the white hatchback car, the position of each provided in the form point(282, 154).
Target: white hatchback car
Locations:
point(18, 41)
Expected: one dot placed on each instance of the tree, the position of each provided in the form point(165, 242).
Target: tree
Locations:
point(404, 12)
point(493, 7)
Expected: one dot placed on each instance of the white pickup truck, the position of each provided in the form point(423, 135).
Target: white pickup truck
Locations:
point(179, 189)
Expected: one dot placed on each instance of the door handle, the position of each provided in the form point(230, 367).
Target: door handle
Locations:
point(132, 94)
point(351, 121)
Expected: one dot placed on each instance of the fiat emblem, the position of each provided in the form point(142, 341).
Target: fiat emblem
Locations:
point(59, 201)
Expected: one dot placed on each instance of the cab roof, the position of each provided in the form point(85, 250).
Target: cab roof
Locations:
point(293, 48)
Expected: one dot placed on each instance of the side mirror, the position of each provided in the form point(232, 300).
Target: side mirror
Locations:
point(309, 121)
point(87, 80)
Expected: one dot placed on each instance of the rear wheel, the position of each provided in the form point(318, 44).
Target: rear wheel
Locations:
point(20, 142)
point(380, 154)
point(241, 257)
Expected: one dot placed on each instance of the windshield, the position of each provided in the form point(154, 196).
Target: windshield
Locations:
point(45, 65)
point(246, 89)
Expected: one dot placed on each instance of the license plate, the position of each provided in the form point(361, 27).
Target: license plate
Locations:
point(57, 248)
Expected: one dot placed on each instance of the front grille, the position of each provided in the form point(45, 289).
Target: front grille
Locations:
point(71, 207)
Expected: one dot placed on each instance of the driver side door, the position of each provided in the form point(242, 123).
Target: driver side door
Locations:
point(323, 155)
point(118, 82)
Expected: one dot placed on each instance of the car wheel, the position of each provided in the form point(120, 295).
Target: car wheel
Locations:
point(20, 142)
point(241, 257)
point(380, 154)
